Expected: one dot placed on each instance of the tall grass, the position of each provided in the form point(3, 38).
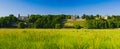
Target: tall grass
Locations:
point(59, 39)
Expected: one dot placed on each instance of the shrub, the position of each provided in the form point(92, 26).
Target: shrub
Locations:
point(21, 25)
point(77, 27)
point(68, 27)
point(57, 26)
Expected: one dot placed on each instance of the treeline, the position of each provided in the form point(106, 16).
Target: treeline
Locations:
point(100, 22)
point(8, 21)
point(58, 21)
point(103, 24)
point(34, 21)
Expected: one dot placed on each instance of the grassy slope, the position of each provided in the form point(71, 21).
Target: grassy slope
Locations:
point(70, 22)
point(59, 39)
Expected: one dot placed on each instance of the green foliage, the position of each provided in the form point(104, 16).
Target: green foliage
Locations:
point(68, 27)
point(77, 27)
point(49, 21)
point(88, 17)
point(52, 21)
point(21, 25)
point(6, 22)
point(97, 24)
point(100, 23)
point(57, 26)
point(33, 18)
point(34, 21)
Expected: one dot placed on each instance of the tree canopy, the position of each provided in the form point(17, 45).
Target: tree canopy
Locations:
point(57, 21)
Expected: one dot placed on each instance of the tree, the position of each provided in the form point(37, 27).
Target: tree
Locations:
point(77, 26)
point(33, 18)
point(90, 24)
point(78, 17)
point(21, 25)
point(57, 26)
point(84, 16)
point(38, 23)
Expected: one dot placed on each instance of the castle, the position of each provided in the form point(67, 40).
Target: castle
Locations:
point(23, 18)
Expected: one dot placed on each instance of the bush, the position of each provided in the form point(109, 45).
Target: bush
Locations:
point(77, 27)
point(57, 26)
point(21, 25)
point(68, 27)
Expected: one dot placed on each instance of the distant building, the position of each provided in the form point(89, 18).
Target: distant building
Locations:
point(97, 18)
point(73, 17)
point(105, 17)
point(22, 18)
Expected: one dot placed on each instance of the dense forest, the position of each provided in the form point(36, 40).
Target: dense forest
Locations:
point(57, 21)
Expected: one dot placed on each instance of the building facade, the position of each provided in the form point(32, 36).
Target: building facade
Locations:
point(22, 18)
point(73, 17)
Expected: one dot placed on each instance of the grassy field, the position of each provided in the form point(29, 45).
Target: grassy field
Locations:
point(59, 39)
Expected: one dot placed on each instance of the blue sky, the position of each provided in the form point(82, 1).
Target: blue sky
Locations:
point(72, 7)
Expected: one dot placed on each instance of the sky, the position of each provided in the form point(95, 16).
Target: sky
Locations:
point(68, 7)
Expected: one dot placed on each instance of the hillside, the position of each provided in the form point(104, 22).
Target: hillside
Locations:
point(71, 23)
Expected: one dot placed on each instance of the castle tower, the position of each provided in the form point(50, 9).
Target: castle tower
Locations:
point(18, 15)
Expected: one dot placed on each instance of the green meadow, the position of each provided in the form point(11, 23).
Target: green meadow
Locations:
point(59, 38)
